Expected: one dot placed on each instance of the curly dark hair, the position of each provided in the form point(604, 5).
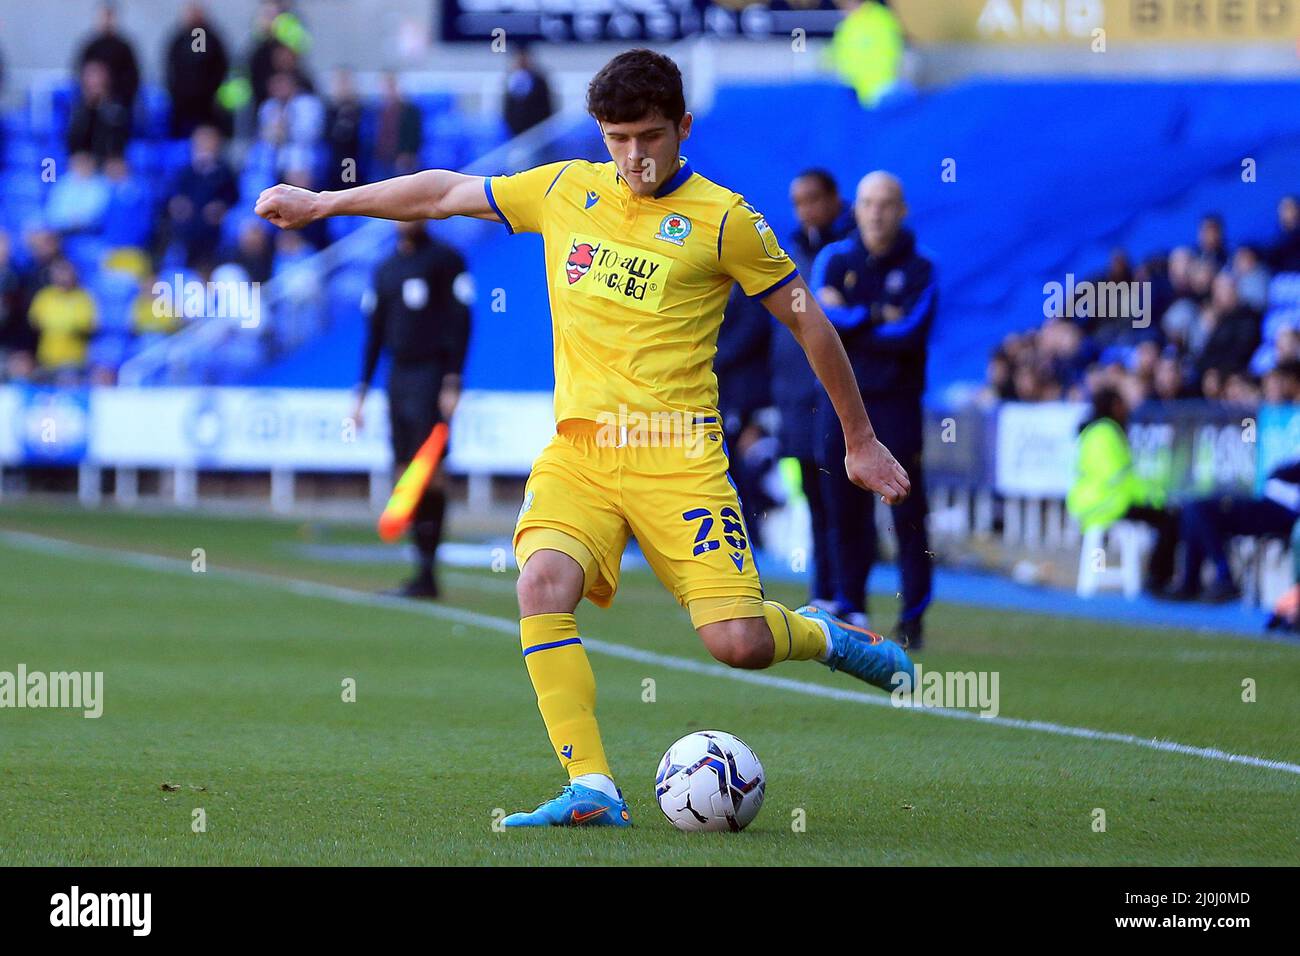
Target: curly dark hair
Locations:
point(634, 85)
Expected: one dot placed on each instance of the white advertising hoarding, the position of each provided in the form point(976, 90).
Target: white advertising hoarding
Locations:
point(258, 429)
point(1036, 448)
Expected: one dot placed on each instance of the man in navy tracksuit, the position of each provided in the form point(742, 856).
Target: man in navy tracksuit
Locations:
point(1208, 523)
point(823, 218)
point(881, 294)
point(741, 368)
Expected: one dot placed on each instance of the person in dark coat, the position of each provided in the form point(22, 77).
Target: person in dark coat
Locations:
point(881, 293)
point(197, 63)
point(528, 95)
point(107, 46)
point(741, 367)
point(824, 217)
point(100, 125)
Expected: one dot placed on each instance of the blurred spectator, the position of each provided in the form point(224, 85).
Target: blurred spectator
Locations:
point(63, 315)
point(1210, 243)
point(1241, 389)
point(1252, 278)
point(824, 217)
point(998, 384)
point(291, 122)
point(252, 252)
point(1106, 489)
point(108, 48)
point(43, 247)
point(1281, 385)
point(128, 221)
point(1062, 346)
point(398, 133)
point(1228, 333)
point(153, 314)
point(297, 315)
point(197, 64)
point(17, 338)
point(1285, 254)
point(2, 88)
point(202, 193)
point(528, 95)
point(1191, 279)
point(280, 37)
point(343, 132)
point(100, 123)
point(79, 198)
point(1168, 383)
point(1207, 524)
point(1286, 347)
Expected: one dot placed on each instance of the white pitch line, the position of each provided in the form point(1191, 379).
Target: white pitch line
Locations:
point(501, 625)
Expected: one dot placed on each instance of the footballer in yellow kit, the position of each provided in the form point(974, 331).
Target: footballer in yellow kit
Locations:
point(641, 254)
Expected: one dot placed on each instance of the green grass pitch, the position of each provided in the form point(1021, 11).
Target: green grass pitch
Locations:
point(226, 686)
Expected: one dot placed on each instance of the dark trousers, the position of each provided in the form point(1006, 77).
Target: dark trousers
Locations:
point(850, 511)
point(1207, 525)
point(822, 580)
point(1160, 566)
point(747, 479)
point(412, 412)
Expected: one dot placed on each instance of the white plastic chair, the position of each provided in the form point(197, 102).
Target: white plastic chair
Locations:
point(1095, 568)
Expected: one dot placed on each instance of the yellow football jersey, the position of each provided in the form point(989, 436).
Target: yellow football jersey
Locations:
point(637, 284)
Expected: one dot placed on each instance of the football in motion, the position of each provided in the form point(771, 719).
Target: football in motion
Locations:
point(710, 780)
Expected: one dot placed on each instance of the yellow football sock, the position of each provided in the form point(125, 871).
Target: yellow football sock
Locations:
point(797, 638)
point(566, 690)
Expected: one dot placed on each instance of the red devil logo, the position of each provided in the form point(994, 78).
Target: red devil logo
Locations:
point(580, 259)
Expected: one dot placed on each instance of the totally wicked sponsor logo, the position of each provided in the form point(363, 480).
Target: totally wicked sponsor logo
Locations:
point(623, 274)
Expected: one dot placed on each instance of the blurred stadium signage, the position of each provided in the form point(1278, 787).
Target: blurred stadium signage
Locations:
point(1023, 450)
point(1073, 21)
point(619, 20)
point(1192, 449)
point(252, 429)
point(1036, 448)
point(1279, 439)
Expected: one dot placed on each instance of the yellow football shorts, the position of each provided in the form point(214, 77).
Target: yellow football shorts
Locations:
point(595, 485)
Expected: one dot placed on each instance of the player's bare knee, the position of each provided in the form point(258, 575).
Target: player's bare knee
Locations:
point(550, 583)
point(744, 643)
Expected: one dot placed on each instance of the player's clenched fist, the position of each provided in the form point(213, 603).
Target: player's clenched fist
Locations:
point(289, 207)
point(872, 467)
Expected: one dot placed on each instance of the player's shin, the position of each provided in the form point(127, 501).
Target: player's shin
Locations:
point(796, 637)
point(566, 691)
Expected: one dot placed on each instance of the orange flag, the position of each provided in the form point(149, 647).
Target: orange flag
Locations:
point(410, 487)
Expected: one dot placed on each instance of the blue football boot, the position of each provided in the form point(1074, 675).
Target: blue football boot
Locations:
point(865, 654)
point(576, 806)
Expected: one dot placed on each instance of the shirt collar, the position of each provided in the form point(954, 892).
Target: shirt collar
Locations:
point(672, 183)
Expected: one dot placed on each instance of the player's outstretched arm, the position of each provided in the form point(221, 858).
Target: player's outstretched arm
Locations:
point(429, 194)
point(869, 463)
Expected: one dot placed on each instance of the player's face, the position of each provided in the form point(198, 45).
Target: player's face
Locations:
point(646, 151)
point(879, 210)
point(814, 206)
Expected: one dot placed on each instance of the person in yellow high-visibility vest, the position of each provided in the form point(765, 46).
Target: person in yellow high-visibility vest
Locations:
point(1106, 489)
point(867, 49)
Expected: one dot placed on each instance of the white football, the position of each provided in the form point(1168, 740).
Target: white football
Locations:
point(710, 780)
